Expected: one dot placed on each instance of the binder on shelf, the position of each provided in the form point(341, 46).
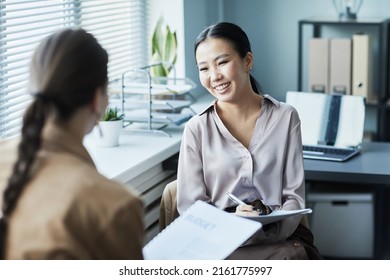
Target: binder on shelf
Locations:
point(361, 66)
point(340, 65)
point(318, 68)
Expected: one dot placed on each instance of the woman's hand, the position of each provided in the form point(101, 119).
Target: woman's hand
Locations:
point(246, 210)
point(256, 208)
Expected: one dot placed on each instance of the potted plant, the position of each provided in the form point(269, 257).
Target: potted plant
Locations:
point(164, 49)
point(164, 55)
point(109, 128)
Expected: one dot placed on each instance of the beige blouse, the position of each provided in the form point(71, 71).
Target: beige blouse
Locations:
point(212, 162)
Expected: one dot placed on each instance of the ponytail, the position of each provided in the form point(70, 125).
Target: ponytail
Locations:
point(255, 85)
point(33, 122)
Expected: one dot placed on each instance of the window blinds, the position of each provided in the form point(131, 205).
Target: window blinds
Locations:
point(120, 27)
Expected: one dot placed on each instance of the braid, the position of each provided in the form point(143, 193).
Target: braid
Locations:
point(33, 122)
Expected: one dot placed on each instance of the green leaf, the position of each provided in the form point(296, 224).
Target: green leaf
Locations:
point(164, 49)
point(157, 38)
point(158, 70)
point(170, 49)
point(112, 114)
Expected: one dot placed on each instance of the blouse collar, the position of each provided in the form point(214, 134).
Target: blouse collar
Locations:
point(268, 100)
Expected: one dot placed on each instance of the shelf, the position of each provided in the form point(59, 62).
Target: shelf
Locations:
point(333, 27)
point(159, 118)
point(336, 20)
point(153, 101)
point(159, 86)
point(380, 69)
point(131, 104)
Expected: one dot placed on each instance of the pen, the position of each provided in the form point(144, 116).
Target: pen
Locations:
point(240, 202)
point(235, 198)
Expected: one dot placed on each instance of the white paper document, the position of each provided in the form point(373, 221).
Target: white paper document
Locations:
point(203, 232)
point(277, 215)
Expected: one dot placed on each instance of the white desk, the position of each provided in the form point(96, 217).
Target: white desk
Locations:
point(138, 152)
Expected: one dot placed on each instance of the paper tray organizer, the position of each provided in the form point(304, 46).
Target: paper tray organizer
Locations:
point(152, 103)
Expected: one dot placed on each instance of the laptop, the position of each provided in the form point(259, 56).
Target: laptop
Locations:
point(332, 125)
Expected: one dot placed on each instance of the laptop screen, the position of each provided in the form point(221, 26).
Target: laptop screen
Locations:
point(329, 119)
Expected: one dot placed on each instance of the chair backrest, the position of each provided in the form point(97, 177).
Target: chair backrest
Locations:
point(168, 205)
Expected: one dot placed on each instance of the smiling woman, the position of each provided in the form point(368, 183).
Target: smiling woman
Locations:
point(246, 143)
point(120, 26)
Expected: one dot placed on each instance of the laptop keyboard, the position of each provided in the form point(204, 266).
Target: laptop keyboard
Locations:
point(326, 150)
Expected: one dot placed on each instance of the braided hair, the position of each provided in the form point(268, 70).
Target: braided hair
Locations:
point(66, 69)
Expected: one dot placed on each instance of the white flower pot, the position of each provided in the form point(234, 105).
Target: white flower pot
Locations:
point(107, 134)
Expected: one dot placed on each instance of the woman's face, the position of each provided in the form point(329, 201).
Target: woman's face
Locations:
point(221, 70)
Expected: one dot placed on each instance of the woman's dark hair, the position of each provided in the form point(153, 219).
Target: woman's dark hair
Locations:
point(65, 71)
point(235, 36)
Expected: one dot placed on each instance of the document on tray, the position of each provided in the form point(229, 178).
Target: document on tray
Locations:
point(277, 215)
point(203, 232)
